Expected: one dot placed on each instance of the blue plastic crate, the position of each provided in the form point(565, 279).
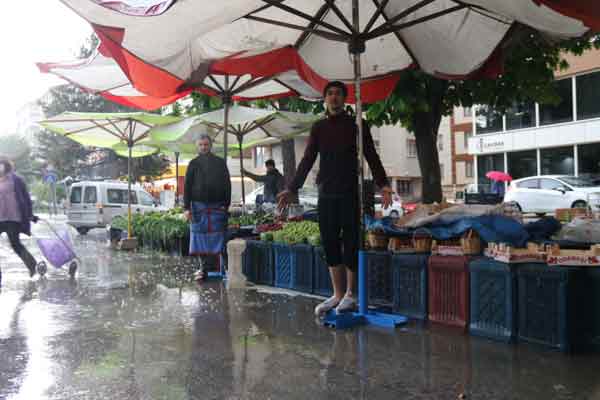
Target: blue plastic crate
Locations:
point(410, 285)
point(493, 299)
point(257, 263)
point(551, 306)
point(321, 279)
point(380, 279)
point(592, 336)
point(293, 267)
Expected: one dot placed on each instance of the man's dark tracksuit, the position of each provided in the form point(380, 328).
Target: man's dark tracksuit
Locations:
point(333, 139)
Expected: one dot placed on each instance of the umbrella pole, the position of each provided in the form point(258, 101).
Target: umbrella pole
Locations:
point(357, 47)
point(242, 174)
point(226, 98)
point(176, 178)
point(129, 146)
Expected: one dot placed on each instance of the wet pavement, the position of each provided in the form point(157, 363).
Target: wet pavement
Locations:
point(130, 327)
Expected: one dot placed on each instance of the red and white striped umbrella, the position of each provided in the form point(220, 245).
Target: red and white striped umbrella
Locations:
point(162, 45)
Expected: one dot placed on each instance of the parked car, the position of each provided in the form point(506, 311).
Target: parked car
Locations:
point(545, 193)
point(307, 197)
point(395, 210)
point(93, 204)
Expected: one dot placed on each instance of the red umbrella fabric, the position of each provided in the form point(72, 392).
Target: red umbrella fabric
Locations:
point(499, 176)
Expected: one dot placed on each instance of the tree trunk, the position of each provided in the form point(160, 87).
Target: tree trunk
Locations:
point(426, 125)
point(288, 154)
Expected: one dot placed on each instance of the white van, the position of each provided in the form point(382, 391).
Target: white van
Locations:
point(93, 204)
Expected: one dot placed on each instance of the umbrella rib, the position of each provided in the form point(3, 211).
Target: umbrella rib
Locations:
point(340, 15)
point(262, 128)
point(217, 84)
point(306, 34)
point(483, 11)
point(80, 130)
point(325, 34)
point(235, 82)
point(250, 84)
point(376, 15)
point(405, 13)
point(396, 33)
point(122, 133)
point(308, 17)
point(385, 29)
point(103, 127)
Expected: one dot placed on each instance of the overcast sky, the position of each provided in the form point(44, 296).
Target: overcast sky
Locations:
point(31, 31)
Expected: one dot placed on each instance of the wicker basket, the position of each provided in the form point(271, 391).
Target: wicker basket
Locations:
point(468, 244)
point(377, 240)
point(422, 243)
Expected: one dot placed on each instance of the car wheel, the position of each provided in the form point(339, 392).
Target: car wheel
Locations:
point(579, 204)
point(83, 231)
point(394, 214)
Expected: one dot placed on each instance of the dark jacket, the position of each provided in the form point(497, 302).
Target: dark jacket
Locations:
point(273, 181)
point(333, 139)
point(24, 203)
point(207, 180)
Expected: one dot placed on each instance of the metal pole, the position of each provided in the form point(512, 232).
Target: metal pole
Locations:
point(176, 178)
point(129, 147)
point(242, 174)
point(226, 103)
point(357, 48)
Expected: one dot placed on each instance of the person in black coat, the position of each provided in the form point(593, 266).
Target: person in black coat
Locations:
point(273, 180)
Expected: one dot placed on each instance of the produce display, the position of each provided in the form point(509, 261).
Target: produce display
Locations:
point(164, 228)
point(295, 233)
point(251, 219)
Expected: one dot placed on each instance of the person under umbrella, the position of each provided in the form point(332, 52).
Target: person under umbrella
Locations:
point(333, 139)
point(206, 200)
point(273, 181)
point(15, 213)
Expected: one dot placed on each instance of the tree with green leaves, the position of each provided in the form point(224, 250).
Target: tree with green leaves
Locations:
point(16, 149)
point(420, 101)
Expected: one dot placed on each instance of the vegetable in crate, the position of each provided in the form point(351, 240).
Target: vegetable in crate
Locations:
point(266, 237)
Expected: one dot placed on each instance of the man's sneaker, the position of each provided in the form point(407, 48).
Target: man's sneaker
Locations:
point(325, 306)
point(348, 304)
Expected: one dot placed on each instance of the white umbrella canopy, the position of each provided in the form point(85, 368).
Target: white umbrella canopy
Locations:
point(443, 37)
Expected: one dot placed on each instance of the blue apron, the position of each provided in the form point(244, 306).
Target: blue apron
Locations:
point(208, 228)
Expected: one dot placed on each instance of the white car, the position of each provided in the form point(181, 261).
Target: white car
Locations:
point(395, 210)
point(545, 193)
point(309, 198)
point(94, 204)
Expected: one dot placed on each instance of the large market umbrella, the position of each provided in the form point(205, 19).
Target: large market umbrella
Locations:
point(446, 38)
point(126, 133)
point(247, 127)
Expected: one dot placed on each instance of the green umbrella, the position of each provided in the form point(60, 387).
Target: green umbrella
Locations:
point(126, 133)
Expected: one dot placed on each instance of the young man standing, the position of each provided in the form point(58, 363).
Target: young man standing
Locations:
point(334, 139)
point(207, 196)
point(273, 181)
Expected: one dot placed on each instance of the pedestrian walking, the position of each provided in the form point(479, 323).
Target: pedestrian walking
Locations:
point(206, 201)
point(16, 213)
point(333, 139)
point(273, 181)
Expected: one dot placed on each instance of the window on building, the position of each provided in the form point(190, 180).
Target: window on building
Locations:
point(411, 145)
point(485, 164)
point(403, 187)
point(469, 169)
point(589, 159)
point(259, 156)
point(558, 160)
point(522, 164)
point(520, 115)
point(487, 120)
point(440, 142)
point(467, 136)
point(563, 111)
point(588, 89)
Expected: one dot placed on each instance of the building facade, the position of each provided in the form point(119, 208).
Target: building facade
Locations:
point(535, 139)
